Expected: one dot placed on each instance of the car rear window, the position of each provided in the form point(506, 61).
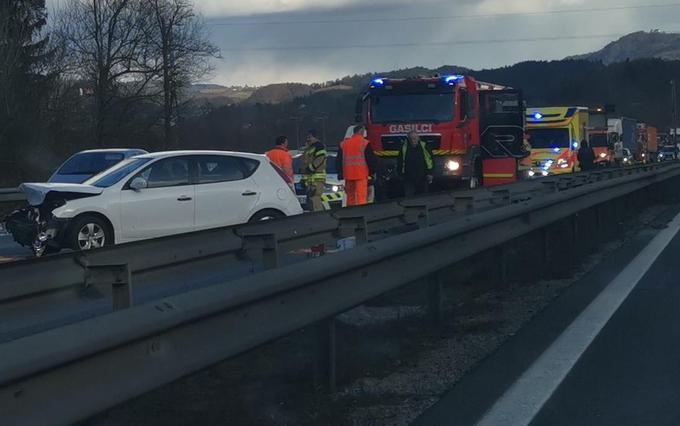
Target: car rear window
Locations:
point(90, 163)
point(224, 168)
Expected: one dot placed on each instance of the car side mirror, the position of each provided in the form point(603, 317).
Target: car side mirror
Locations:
point(138, 184)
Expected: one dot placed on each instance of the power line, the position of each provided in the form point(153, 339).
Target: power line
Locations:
point(446, 17)
point(422, 44)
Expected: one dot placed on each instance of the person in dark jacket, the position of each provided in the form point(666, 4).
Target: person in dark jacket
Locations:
point(415, 165)
point(586, 156)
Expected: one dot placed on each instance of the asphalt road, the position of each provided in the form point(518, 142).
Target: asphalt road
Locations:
point(607, 352)
point(9, 250)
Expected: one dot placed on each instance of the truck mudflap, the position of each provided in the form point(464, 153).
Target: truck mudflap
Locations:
point(499, 171)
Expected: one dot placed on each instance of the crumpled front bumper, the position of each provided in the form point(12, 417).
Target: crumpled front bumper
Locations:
point(26, 229)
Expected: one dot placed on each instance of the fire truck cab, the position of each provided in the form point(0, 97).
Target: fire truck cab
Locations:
point(474, 129)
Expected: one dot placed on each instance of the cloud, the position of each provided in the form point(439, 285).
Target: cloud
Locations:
point(324, 23)
point(222, 8)
point(504, 6)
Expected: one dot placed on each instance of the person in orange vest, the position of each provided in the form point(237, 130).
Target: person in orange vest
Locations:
point(280, 156)
point(355, 163)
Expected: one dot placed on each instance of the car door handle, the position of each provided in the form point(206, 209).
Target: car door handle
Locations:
point(184, 198)
point(249, 193)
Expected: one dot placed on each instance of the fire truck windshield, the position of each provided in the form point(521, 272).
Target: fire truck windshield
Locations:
point(435, 107)
point(549, 138)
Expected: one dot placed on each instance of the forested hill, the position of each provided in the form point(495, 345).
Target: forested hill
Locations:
point(638, 88)
point(638, 45)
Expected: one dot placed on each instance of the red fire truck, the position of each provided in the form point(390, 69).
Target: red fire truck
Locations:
point(474, 129)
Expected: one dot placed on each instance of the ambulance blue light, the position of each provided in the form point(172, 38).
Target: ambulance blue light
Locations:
point(378, 82)
point(538, 115)
point(452, 79)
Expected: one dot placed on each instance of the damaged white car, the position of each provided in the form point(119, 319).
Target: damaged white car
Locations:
point(149, 196)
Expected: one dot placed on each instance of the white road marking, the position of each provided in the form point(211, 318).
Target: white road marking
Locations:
point(525, 398)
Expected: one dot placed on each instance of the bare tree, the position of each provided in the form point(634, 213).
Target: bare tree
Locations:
point(183, 50)
point(109, 49)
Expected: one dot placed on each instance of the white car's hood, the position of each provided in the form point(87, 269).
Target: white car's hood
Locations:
point(37, 192)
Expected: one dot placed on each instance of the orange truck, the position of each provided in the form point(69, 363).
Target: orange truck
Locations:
point(646, 143)
point(598, 136)
point(652, 143)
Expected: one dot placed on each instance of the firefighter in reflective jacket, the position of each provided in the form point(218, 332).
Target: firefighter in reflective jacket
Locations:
point(356, 162)
point(415, 165)
point(314, 170)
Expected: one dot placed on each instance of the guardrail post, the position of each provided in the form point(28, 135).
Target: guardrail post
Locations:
point(269, 245)
point(464, 203)
point(600, 224)
point(325, 374)
point(118, 276)
point(549, 186)
point(500, 254)
point(500, 197)
point(435, 298)
point(574, 238)
point(421, 212)
point(354, 226)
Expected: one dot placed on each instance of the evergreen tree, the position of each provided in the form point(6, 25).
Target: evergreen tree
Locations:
point(24, 79)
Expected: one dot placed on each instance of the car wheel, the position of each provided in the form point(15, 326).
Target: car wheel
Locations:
point(264, 215)
point(89, 232)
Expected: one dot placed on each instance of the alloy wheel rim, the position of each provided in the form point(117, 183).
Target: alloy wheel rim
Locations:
point(91, 236)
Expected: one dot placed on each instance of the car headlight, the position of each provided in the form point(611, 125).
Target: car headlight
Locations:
point(625, 160)
point(452, 165)
point(544, 173)
point(660, 155)
point(603, 155)
point(643, 155)
point(531, 173)
point(332, 188)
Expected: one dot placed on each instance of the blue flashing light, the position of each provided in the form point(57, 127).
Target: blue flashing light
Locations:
point(575, 144)
point(378, 82)
point(538, 115)
point(556, 149)
point(452, 79)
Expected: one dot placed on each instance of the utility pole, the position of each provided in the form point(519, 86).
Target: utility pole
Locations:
point(674, 111)
point(323, 119)
point(297, 130)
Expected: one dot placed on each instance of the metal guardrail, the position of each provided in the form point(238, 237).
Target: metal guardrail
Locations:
point(70, 371)
point(10, 195)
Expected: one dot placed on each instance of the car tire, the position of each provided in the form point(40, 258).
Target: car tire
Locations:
point(88, 232)
point(264, 215)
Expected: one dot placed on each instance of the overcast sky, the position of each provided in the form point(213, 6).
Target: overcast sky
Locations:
point(253, 34)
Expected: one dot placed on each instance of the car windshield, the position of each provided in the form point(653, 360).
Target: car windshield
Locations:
point(116, 173)
point(434, 107)
point(90, 163)
point(548, 138)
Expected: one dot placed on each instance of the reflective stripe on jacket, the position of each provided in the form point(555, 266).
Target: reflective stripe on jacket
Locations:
point(282, 158)
point(354, 165)
point(429, 164)
point(314, 163)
